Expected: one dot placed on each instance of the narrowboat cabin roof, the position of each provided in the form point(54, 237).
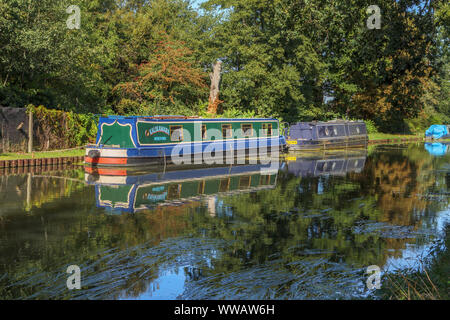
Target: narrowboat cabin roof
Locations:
point(166, 118)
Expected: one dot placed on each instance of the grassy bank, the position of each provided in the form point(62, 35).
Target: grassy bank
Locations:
point(383, 136)
point(46, 154)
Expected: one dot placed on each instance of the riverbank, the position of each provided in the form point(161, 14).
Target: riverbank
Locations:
point(430, 283)
point(39, 159)
point(388, 136)
point(79, 152)
point(384, 136)
point(44, 154)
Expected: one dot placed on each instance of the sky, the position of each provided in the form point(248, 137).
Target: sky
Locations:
point(196, 3)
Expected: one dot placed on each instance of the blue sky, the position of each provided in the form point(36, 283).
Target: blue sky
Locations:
point(196, 3)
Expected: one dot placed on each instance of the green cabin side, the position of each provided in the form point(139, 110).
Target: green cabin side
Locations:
point(154, 132)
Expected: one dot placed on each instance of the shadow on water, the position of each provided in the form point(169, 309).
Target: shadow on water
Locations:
point(308, 230)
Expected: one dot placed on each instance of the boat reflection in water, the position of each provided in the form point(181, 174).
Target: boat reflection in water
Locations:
point(335, 164)
point(437, 148)
point(133, 191)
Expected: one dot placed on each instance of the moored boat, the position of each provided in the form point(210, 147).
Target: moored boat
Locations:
point(326, 135)
point(131, 141)
point(438, 131)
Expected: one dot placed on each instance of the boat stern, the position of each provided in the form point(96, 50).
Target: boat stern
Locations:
point(105, 156)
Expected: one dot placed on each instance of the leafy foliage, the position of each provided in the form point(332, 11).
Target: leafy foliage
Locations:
point(59, 129)
point(293, 60)
point(167, 78)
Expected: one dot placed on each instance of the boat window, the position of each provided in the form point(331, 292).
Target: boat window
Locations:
point(176, 133)
point(174, 191)
point(331, 131)
point(301, 134)
point(357, 129)
point(244, 182)
point(226, 131)
point(362, 129)
point(204, 134)
point(247, 130)
point(267, 129)
point(323, 131)
point(339, 131)
point(264, 180)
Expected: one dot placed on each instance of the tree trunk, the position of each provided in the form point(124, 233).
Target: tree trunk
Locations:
point(214, 92)
point(30, 132)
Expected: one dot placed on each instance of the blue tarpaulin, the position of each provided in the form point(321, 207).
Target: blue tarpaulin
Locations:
point(437, 131)
point(436, 149)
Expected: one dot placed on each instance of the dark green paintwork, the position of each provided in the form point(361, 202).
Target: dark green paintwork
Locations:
point(116, 135)
point(190, 128)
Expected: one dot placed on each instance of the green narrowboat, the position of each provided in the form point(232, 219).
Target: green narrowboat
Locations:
point(131, 141)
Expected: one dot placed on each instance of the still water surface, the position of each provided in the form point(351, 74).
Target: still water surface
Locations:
point(306, 231)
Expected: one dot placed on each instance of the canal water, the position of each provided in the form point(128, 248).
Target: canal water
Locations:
point(307, 230)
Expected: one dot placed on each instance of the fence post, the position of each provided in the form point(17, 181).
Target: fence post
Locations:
point(30, 131)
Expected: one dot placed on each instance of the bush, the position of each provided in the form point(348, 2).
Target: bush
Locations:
point(371, 127)
point(233, 113)
point(57, 129)
point(425, 119)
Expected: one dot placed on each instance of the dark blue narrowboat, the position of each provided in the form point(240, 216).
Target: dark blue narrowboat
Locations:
point(326, 135)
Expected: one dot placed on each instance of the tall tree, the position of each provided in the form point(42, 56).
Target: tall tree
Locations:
point(167, 78)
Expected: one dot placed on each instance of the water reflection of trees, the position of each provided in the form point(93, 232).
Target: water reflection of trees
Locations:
point(317, 217)
point(305, 227)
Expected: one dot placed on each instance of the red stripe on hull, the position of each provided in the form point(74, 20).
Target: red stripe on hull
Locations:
point(118, 161)
point(106, 172)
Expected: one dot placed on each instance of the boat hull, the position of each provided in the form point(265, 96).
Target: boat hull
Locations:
point(341, 143)
point(125, 157)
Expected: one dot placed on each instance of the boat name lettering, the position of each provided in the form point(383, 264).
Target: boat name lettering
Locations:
point(157, 197)
point(158, 129)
